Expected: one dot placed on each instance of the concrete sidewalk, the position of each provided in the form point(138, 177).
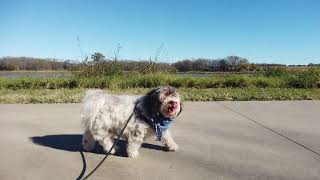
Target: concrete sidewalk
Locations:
point(218, 140)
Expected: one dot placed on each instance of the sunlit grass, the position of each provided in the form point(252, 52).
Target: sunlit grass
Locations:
point(278, 85)
point(188, 94)
point(298, 80)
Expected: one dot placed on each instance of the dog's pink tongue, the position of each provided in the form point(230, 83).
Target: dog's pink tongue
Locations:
point(173, 105)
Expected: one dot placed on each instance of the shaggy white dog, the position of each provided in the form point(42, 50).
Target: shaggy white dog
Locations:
point(104, 116)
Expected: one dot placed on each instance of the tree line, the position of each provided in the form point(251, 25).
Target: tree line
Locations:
point(230, 63)
point(35, 64)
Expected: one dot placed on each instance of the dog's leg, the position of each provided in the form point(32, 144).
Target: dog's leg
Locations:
point(88, 141)
point(135, 140)
point(169, 142)
point(107, 143)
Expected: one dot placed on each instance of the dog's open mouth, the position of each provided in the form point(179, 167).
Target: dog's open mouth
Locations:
point(172, 106)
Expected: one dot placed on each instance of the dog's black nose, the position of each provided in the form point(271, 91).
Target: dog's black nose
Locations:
point(173, 103)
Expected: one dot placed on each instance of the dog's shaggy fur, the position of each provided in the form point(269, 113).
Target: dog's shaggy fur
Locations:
point(104, 116)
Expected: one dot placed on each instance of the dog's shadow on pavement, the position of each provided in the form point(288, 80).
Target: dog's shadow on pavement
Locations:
point(72, 143)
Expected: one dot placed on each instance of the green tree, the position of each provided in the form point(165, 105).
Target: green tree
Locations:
point(97, 57)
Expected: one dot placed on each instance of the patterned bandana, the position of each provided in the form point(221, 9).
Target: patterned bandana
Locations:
point(159, 123)
point(160, 126)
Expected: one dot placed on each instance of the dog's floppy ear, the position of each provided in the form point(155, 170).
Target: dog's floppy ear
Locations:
point(152, 101)
point(155, 94)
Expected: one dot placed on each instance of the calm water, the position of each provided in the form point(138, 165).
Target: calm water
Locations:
point(35, 74)
point(193, 74)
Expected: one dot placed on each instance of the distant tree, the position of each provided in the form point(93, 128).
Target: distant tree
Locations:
point(184, 65)
point(214, 65)
point(252, 67)
point(223, 65)
point(314, 65)
point(243, 64)
point(233, 63)
point(200, 65)
point(97, 57)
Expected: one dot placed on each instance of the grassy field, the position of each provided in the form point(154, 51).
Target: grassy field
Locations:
point(306, 79)
point(275, 85)
point(188, 94)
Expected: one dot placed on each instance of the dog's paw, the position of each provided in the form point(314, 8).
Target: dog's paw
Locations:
point(113, 151)
point(133, 154)
point(172, 147)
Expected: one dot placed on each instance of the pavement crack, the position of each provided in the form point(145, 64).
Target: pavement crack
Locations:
point(271, 130)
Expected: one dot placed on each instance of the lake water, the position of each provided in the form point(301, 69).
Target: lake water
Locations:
point(35, 74)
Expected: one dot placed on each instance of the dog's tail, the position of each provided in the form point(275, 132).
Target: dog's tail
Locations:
point(92, 92)
point(90, 106)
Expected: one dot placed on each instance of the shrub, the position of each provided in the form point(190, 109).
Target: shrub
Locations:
point(99, 69)
point(304, 79)
point(276, 72)
point(236, 81)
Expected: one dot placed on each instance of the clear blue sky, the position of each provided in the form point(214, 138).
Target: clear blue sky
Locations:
point(273, 31)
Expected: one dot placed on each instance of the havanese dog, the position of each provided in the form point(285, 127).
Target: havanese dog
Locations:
point(105, 115)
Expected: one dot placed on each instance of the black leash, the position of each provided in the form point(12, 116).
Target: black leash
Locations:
point(278, 133)
point(108, 153)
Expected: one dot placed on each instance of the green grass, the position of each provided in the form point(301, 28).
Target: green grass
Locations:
point(305, 79)
point(275, 85)
point(188, 94)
